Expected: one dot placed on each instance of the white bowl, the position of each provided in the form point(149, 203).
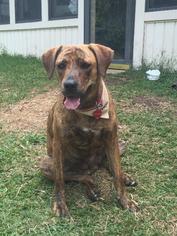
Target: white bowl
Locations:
point(153, 74)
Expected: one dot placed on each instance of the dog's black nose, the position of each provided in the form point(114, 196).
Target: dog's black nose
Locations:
point(70, 84)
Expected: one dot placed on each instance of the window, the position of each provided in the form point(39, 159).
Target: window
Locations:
point(61, 9)
point(27, 10)
point(4, 12)
point(159, 5)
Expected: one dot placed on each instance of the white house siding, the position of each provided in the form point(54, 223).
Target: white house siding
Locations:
point(160, 43)
point(36, 41)
point(36, 37)
point(155, 37)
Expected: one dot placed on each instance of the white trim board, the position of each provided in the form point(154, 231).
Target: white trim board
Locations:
point(160, 15)
point(41, 25)
point(138, 33)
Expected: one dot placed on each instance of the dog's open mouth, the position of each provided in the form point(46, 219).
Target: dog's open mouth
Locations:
point(71, 103)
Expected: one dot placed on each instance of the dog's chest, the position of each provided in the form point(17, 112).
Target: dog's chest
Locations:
point(84, 138)
point(90, 132)
point(84, 147)
point(83, 135)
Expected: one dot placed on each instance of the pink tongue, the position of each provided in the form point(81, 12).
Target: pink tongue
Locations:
point(72, 103)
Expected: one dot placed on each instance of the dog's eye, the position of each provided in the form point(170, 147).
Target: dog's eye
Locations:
point(84, 65)
point(62, 65)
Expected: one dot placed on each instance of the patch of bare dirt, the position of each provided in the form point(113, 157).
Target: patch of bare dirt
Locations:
point(145, 103)
point(151, 102)
point(31, 114)
point(28, 114)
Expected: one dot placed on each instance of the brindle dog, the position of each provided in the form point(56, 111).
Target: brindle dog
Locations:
point(82, 125)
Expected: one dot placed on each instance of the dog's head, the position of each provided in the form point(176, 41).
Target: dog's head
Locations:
point(79, 68)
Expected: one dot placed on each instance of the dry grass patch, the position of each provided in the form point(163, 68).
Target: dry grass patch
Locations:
point(146, 103)
point(28, 114)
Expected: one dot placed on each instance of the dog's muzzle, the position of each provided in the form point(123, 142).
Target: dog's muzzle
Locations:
point(71, 93)
point(70, 85)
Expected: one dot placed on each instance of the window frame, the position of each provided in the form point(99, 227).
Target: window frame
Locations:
point(148, 9)
point(27, 21)
point(7, 23)
point(60, 17)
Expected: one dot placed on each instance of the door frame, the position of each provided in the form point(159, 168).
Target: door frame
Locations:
point(89, 28)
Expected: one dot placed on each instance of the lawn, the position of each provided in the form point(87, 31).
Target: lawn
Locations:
point(147, 112)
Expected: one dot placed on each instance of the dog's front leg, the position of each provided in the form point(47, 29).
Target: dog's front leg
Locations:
point(59, 205)
point(113, 155)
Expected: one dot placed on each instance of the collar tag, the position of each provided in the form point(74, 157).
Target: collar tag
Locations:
point(98, 111)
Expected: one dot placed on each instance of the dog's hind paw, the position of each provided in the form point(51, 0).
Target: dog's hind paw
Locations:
point(128, 181)
point(131, 183)
point(93, 195)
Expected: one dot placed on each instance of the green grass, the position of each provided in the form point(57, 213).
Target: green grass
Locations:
point(20, 76)
point(25, 195)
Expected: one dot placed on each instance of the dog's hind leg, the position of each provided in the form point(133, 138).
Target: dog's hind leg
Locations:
point(127, 180)
point(46, 164)
point(122, 147)
point(47, 168)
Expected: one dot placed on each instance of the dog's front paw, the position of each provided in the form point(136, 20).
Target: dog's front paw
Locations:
point(61, 210)
point(133, 206)
point(129, 204)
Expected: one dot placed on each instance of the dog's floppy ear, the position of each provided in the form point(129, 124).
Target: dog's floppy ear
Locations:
point(104, 56)
point(49, 58)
